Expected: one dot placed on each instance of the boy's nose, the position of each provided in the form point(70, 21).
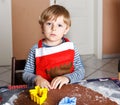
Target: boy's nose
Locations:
point(53, 27)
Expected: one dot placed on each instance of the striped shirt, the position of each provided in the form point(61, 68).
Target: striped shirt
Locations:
point(29, 71)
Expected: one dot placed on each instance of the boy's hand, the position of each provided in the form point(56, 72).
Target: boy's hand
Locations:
point(59, 81)
point(43, 83)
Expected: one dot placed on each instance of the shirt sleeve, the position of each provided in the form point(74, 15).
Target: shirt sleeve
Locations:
point(29, 70)
point(79, 72)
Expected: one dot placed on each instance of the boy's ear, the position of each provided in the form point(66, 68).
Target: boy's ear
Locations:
point(66, 31)
point(42, 30)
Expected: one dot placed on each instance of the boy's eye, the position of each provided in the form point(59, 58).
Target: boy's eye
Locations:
point(48, 23)
point(59, 25)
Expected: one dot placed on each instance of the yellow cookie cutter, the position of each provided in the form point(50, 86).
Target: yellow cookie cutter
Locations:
point(38, 95)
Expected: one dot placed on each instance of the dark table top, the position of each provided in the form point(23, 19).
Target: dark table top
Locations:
point(109, 87)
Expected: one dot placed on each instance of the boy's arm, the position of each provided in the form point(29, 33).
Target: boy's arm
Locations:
point(29, 70)
point(79, 71)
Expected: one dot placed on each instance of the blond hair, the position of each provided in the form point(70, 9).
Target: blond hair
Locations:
point(55, 11)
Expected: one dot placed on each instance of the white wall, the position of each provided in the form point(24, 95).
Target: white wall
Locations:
point(82, 29)
point(5, 32)
point(86, 30)
point(98, 27)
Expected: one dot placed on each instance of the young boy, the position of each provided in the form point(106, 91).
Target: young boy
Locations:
point(54, 60)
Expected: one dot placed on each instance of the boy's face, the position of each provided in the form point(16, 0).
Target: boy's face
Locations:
point(54, 30)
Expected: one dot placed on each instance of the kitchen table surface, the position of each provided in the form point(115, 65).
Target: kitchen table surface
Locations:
point(109, 87)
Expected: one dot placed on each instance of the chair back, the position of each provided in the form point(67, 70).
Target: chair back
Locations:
point(17, 71)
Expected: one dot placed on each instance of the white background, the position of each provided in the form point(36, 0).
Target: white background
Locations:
point(5, 32)
point(82, 29)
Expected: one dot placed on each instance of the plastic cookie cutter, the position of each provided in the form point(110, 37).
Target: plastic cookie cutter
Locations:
point(68, 101)
point(38, 95)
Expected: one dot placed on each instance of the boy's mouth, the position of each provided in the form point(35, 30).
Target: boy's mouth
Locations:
point(53, 34)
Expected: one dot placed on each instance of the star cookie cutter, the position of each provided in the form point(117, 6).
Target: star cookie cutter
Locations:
point(38, 95)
